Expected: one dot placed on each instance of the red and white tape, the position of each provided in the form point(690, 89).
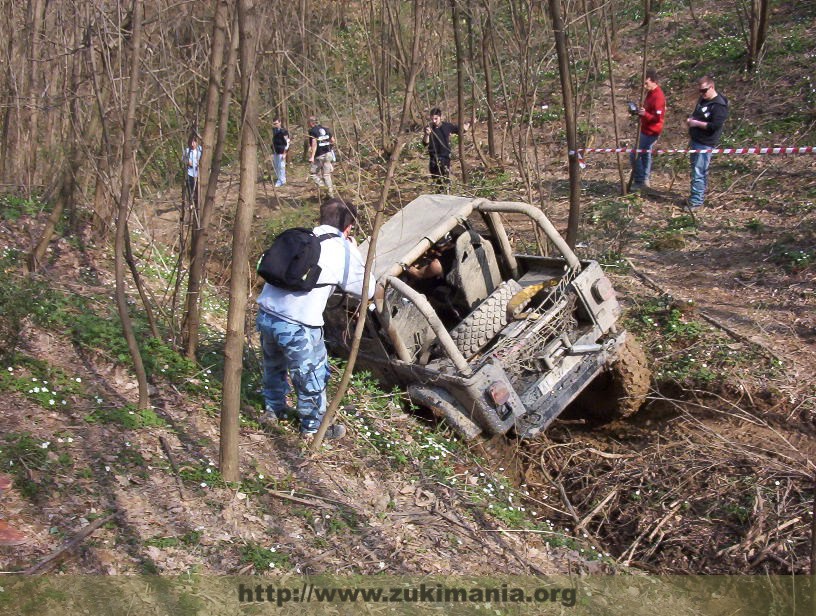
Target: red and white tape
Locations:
point(801, 150)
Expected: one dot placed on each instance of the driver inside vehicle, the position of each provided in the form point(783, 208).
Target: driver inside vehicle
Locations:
point(428, 276)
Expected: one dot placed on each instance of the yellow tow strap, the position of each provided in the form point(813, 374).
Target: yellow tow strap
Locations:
point(520, 299)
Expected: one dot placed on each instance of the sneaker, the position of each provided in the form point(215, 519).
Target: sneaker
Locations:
point(637, 187)
point(690, 206)
point(11, 536)
point(278, 183)
point(271, 417)
point(335, 432)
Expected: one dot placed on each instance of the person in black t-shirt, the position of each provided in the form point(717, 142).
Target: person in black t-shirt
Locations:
point(321, 155)
point(437, 138)
point(280, 147)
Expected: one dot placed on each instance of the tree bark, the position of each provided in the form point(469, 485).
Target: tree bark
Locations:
point(608, 39)
point(487, 32)
point(236, 317)
point(460, 86)
point(200, 217)
point(124, 207)
point(562, 52)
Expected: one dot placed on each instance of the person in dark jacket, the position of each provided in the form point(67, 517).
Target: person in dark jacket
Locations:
point(705, 128)
point(437, 138)
point(280, 145)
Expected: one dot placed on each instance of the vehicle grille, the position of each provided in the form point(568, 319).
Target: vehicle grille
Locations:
point(527, 343)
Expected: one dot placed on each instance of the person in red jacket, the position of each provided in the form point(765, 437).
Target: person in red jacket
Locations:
point(651, 115)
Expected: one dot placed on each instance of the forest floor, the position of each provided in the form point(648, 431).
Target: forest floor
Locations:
point(714, 475)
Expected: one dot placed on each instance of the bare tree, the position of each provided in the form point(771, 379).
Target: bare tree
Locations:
point(201, 213)
point(236, 318)
point(562, 51)
point(460, 84)
point(757, 31)
point(124, 205)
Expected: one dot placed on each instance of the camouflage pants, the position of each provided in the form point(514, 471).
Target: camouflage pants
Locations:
point(300, 352)
point(320, 171)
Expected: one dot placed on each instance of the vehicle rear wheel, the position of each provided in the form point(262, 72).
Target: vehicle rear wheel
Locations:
point(620, 392)
point(488, 319)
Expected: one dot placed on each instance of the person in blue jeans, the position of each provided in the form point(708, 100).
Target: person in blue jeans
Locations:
point(705, 128)
point(291, 325)
point(652, 116)
point(280, 145)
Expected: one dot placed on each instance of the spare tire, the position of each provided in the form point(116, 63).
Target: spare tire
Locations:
point(488, 319)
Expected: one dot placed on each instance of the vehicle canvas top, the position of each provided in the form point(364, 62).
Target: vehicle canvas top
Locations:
point(427, 218)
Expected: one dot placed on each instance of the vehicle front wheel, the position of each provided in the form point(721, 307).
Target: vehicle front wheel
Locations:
point(622, 390)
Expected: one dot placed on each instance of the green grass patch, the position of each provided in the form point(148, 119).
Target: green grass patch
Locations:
point(40, 382)
point(33, 463)
point(13, 207)
point(127, 416)
point(263, 559)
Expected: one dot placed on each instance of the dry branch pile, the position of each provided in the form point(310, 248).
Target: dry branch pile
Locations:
point(693, 496)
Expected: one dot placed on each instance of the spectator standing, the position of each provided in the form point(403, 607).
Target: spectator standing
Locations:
point(437, 138)
point(191, 158)
point(280, 146)
point(652, 115)
point(291, 325)
point(705, 128)
point(321, 155)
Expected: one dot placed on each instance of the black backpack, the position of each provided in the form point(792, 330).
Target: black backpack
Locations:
point(291, 262)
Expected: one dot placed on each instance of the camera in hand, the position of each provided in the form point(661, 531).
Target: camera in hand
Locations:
point(633, 108)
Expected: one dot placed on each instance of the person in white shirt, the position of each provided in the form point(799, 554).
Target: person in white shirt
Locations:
point(291, 325)
point(192, 156)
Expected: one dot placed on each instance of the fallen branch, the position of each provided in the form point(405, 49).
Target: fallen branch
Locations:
point(595, 511)
point(302, 501)
point(166, 447)
point(50, 561)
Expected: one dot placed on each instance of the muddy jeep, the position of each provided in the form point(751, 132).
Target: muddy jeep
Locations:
point(486, 338)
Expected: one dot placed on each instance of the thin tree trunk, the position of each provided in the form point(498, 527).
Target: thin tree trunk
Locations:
point(399, 143)
point(137, 279)
point(487, 32)
point(614, 102)
point(460, 86)
point(236, 317)
point(200, 239)
point(124, 207)
point(642, 95)
point(562, 52)
point(197, 245)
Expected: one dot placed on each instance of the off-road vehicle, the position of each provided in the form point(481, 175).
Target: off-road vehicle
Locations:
point(489, 339)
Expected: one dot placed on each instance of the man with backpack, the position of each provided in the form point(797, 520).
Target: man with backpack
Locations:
point(321, 155)
point(291, 321)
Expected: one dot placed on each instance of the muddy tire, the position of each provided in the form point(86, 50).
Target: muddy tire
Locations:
point(487, 320)
point(620, 392)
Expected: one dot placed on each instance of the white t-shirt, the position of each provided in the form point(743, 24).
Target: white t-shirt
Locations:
point(192, 156)
point(307, 307)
